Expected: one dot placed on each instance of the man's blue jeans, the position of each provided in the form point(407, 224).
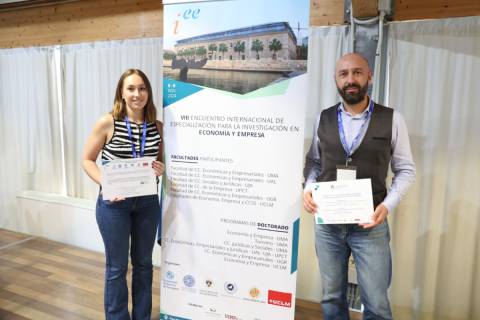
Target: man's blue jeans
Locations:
point(128, 225)
point(371, 251)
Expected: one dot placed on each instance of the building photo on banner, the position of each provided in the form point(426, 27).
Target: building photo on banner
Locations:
point(234, 98)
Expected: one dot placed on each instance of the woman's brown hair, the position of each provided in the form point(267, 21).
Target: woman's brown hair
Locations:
point(119, 110)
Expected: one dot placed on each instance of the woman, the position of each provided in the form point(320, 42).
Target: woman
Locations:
point(123, 221)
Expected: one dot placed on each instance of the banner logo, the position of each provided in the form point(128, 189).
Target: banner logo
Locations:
point(254, 292)
point(189, 14)
point(230, 287)
point(209, 283)
point(282, 299)
point(169, 275)
point(189, 280)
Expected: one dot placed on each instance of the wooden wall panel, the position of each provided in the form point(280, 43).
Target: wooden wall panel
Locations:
point(331, 12)
point(326, 12)
point(91, 20)
point(81, 21)
point(435, 9)
point(364, 8)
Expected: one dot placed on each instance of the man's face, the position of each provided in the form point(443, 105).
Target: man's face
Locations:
point(352, 76)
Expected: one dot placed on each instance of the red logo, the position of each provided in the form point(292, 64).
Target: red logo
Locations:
point(278, 298)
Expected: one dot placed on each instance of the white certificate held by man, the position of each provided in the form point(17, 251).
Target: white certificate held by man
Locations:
point(128, 178)
point(344, 201)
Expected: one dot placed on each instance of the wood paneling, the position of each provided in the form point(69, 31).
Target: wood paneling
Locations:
point(42, 279)
point(331, 12)
point(326, 12)
point(80, 21)
point(92, 20)
point(435, 9)
point(9, 5)
point(364, 8)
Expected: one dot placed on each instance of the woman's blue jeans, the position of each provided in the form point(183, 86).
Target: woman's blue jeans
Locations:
point(371, 252)
point(128, 225)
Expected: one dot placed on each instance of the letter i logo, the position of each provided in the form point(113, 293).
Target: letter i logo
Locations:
point(176, 24)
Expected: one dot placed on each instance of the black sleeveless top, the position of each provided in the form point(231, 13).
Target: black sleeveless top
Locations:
point(120, 145)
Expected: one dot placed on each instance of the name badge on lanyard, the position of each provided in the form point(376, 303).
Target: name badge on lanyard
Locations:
point(142, 143)
point(346, 172)
point(349, 172)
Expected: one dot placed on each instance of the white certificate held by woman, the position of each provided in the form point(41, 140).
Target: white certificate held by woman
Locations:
point(128, 178)
point(345, 201)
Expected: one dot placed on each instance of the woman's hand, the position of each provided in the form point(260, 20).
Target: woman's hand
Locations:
point(158, 167)
point(116, 199)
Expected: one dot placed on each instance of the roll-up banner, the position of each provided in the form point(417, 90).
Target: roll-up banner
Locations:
point(234, 98)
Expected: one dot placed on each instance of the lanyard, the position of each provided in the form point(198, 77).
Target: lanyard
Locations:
point(349, 149)
point(144, 138)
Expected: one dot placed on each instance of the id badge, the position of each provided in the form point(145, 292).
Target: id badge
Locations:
point(346, 172)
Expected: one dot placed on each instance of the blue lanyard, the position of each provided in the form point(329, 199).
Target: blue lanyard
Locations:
point(144, 138)
point(348, 149)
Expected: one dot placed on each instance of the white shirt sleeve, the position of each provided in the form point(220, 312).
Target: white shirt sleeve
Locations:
point(402, 164)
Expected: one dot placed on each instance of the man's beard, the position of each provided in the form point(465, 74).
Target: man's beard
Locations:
point(353, 98)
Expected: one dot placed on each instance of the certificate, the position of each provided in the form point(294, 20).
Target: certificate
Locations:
point(129, 178)
point(346, 201)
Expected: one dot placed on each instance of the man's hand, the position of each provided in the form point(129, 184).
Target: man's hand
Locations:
point(378, 217)
point(308, 202)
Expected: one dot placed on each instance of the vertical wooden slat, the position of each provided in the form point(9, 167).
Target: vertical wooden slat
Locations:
point(326, 12)
point(364, 8)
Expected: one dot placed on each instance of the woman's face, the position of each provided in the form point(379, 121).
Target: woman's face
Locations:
point(134, 92)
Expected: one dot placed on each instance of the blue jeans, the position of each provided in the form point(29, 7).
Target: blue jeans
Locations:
point(371, 251)
point(128, 225)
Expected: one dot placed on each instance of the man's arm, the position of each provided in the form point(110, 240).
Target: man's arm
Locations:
point(311, 171)
point(313, 164)
point(402, 164)
point(403, 169)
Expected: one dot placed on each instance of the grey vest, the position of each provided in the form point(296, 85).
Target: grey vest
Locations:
point(371, 158)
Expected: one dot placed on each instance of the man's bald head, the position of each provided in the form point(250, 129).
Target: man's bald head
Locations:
point(353, 76)
point(350, 59)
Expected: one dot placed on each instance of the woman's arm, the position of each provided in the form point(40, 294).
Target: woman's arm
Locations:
point(103, 129)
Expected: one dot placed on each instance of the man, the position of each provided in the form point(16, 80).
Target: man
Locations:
point(367, 137)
